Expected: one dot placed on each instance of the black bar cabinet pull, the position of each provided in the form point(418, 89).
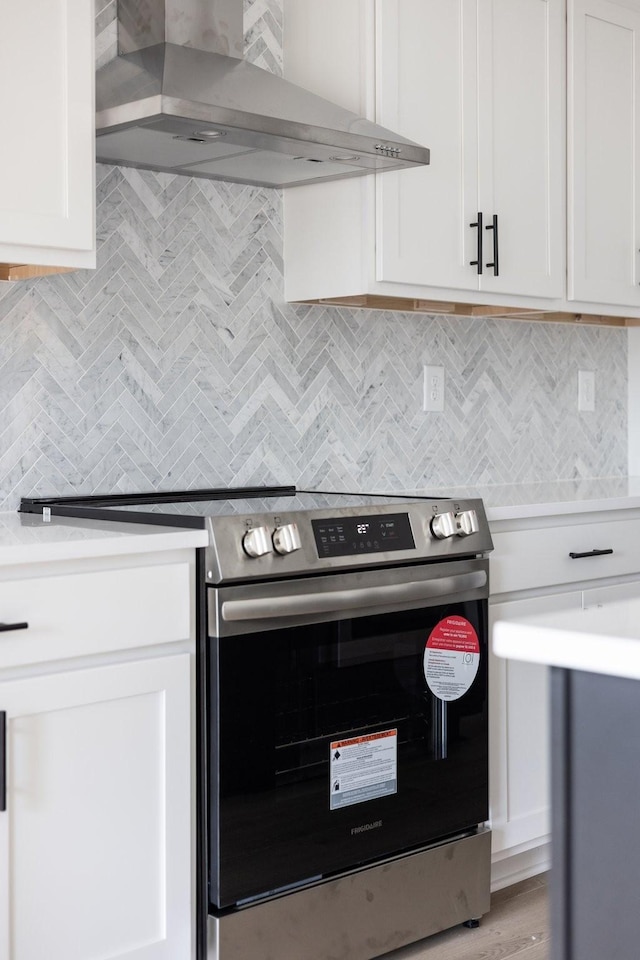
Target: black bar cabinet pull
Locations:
point(590, 553)
point(4, 627)
point(494, 227)
point(478, 262)
point(3, 761)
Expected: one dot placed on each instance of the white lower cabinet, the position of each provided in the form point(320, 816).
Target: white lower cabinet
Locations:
point(519, 737)
point(533, 571)
point(95, 837)
point(94, 844)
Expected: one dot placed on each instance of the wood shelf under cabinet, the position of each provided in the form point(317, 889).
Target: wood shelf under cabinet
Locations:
point(454, 309)
point(26, 271)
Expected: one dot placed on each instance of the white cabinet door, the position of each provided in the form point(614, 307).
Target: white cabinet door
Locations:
point(95, 842)
point(604, 152)
point(426, 68)
point(519, 738)
point(47, 156)
point(521, 158)
point(480, 82)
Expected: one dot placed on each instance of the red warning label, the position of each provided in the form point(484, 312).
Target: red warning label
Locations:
point(451, 658)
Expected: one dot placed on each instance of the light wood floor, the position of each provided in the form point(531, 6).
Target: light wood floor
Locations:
point(517, 926)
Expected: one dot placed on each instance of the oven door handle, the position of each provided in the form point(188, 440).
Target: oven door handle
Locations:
point(265, 608)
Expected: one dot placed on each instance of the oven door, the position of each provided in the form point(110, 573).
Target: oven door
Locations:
point(347, 722)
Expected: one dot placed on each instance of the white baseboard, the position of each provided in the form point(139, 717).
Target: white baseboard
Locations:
point(520, 866)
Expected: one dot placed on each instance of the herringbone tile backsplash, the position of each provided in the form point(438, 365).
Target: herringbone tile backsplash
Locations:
point(177, 363)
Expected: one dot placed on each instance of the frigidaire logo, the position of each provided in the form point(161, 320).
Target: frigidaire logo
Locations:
point(366, 826)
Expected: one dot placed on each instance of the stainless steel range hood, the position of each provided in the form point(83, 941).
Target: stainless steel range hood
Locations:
point(179, 98)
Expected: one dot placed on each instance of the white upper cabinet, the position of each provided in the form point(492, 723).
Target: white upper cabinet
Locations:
point(47, 165)
point(604, 152)
point(521, 87)
point(427, 64)
point(477, 81)
point(481, 83)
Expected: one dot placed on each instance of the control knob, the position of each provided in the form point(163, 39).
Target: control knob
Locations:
point(286, 539)
point(257, 542)
point(444, 525)
point(467, 523)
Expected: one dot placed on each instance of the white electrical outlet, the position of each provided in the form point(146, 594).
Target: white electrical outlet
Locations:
point(433, 400)
point(586, 390)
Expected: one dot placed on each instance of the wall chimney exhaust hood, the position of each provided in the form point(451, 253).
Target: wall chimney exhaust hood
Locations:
point(179, 98)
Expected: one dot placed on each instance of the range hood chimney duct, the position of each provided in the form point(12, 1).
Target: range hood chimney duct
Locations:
point(179, 98)
point(213, 25)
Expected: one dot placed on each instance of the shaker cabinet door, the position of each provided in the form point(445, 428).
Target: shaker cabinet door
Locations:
point(426, 83)
point(604, 152)
point(95, 839)
point(521, 156)
point(47, 156)
point(481, 83)
point(519, 739)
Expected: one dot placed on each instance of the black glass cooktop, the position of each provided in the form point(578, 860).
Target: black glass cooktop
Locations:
point(190, 508)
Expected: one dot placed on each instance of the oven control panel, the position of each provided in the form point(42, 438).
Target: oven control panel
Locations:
point(279, 543)
point(350, 536)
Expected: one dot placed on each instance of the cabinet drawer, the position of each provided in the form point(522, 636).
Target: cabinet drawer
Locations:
point(527, 559)
point(86, 613)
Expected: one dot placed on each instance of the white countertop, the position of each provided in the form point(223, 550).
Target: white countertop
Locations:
point(26, 538)
point(522, 500)
point(598, 634)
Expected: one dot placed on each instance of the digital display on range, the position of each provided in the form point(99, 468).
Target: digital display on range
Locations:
point(349, 536)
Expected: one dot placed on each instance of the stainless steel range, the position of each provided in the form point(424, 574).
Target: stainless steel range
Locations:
point(343, 716)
